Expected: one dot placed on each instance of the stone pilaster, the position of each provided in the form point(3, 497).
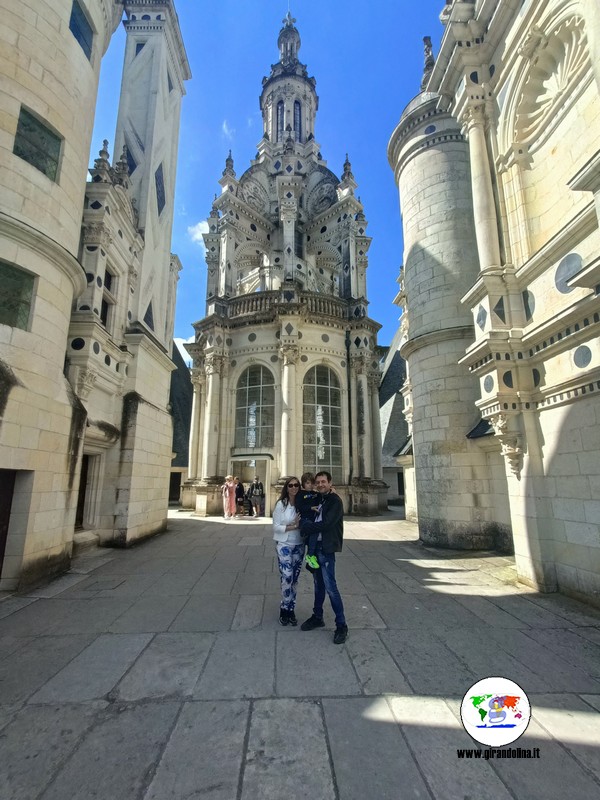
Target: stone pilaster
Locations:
point(289, 355)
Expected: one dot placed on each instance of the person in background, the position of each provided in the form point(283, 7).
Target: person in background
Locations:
point(239, 497)
point(329, 527)
point(289, 547)
point(228, 493)
point(256, 493)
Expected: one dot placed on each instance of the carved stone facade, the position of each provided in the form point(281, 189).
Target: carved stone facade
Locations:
point(520, 83)
point(286, 313)
point(85, 429)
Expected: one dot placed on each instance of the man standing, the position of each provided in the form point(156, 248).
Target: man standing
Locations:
point(256, 494)
point(329, 527)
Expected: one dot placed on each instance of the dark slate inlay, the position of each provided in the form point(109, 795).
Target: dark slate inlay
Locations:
point(274, 359)
point(488, 383)
point(582, 356)
point(499, 310)
point(252, 337)
point(536, 377)
point(481, 317)
point(528, 304)
point(507, 379)
point(324, 337)
point(96, 348)
point(78, 344)
point(289, 328)
point(567, 269)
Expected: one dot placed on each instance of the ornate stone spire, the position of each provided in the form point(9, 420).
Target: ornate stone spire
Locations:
point(101, 170)
point(229, 170)
point(121, 170)
point(429, 62)
point(288, 41)
point(347, 169)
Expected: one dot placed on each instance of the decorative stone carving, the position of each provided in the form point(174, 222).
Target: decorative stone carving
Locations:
point(322, 197)
point(214, 364)
point(97, 233)
point(85, 382)
point(558, 63)
point(510, 442)
point(289, 354)
point(255, 196)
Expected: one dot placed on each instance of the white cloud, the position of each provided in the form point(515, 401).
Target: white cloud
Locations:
point(184, 353)
point(195, 233)
point(228, 132)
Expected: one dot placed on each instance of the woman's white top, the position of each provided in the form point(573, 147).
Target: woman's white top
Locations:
point(283, 516)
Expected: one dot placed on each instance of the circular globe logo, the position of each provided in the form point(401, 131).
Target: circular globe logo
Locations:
point(495, 711)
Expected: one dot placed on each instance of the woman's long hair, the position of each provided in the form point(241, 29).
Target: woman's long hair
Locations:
point(285, 496)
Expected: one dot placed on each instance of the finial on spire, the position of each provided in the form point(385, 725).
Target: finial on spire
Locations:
point(347, 168)
point(121, 171)
point(288, 41)
point(229, 166)
point(100, 172)
point(429, 62)
point(289, 21)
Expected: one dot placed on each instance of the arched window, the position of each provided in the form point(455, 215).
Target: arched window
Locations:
point(322, 426)
point(280, 121)
point(254, 409)
point(297, 121)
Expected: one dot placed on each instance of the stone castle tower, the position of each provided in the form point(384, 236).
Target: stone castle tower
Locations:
point(430, 158)
point(498, 166)
point(285, 371)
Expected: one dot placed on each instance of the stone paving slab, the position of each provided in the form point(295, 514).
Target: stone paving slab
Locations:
point(370, 756)
point(309, 665)
point(169, 667)
point(115, 758)
point(94, 672)
point(249, 612)
point(434, 733)
point(275, 768)
point(378, 673)
point(212, 770)
point(32, 666)
point(229, 704)
point(42, 736)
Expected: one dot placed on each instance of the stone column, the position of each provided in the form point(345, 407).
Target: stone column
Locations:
point(289, 355)
point(199, 383)
point(210, 444)
point(373, 380)
point(287, 214)
point(484, 206)
point(365, 442)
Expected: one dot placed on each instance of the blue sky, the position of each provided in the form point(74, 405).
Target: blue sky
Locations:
point(367, 59)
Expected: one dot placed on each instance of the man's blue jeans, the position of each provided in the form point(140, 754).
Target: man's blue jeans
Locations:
point(325, 583)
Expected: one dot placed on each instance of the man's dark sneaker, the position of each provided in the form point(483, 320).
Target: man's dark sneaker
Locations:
point(292, 618)
point(341, 634)
point(311, 623)
point(284, 616)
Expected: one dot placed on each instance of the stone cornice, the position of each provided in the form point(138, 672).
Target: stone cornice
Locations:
point(427, 339)
point(36, 240)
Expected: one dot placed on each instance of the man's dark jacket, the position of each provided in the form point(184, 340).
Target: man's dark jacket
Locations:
point(331, 527)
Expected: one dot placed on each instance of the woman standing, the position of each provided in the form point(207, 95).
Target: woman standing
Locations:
point(228, 492)
point(290, 548)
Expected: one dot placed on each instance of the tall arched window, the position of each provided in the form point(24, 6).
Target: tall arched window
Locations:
point(322, 422)
point(254, 409)
point(280, 117)
point(297, 121)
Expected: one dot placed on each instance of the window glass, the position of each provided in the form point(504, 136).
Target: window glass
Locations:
point(16, 294)
point(81, 29)
point(322, 422)
point(255, 409)
point(37, 144)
